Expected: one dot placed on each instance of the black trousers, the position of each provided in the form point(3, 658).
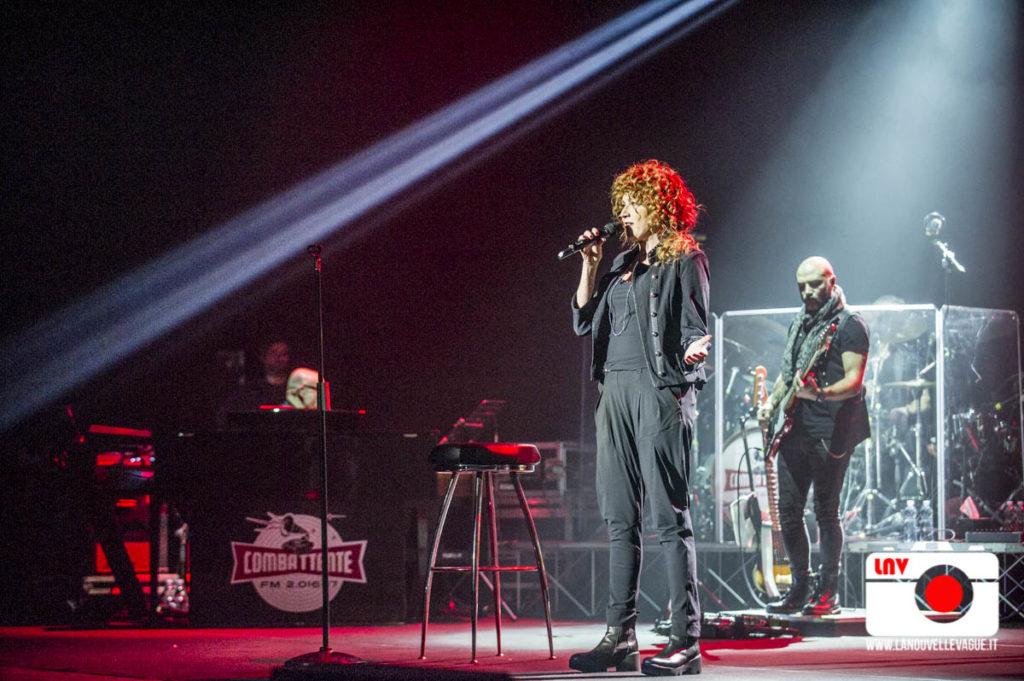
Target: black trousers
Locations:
point(806, 460)
point(644, 437)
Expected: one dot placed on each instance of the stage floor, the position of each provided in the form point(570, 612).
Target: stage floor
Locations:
point(184, 654)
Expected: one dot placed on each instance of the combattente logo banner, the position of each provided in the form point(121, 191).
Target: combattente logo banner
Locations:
point(285, 562)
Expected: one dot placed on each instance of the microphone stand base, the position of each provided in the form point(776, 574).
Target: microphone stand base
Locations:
point(317, 666)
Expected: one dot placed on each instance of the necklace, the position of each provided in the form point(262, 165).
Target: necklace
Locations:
point(611, 305)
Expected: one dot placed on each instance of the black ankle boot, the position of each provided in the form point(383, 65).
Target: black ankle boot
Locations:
point(617, 649)
point(825, 599)
point(681, 656)
point(795, 599)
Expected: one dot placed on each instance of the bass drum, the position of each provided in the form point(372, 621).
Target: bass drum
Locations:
point(736, 475)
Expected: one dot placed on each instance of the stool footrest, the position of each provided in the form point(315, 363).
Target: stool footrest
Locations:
point(500, 568)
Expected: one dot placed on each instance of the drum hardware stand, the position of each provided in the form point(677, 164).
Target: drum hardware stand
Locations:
point(916, 471)
point(870, 494)
point(966, 480)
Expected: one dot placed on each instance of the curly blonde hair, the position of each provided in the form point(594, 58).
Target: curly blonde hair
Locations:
point(671, 208)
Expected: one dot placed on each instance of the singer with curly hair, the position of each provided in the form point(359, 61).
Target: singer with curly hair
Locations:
point(647, 318)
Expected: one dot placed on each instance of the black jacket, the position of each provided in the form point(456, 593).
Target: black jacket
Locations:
point(677, 314)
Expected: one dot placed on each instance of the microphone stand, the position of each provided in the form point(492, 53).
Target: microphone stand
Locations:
point(933, 224)
point(313, 662)
point(949, 263)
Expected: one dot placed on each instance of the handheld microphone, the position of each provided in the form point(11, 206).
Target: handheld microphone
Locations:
point(610, 229)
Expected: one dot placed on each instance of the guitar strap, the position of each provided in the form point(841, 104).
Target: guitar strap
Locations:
point(807, 326)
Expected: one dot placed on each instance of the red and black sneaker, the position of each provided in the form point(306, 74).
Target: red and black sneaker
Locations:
point(825, 599)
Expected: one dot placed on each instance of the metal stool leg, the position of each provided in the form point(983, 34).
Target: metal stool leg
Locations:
point(542, 573)
point(442, 516)
point(496, 589)
point(478, 501)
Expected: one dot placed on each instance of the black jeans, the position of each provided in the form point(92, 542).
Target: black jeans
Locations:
point(806, 460)
point(644, 437)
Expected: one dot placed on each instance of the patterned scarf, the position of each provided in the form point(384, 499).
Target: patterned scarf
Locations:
point(808, 326)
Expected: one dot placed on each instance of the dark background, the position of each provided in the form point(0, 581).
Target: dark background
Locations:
point(828, 128)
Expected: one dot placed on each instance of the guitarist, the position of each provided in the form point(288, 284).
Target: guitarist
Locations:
point(829, 418)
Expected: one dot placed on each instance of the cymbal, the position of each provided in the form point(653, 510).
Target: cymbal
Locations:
point(914, 384)
point(740, 347)
point(901, 327)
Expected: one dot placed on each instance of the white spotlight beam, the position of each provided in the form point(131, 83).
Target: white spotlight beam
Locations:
point(56, 355)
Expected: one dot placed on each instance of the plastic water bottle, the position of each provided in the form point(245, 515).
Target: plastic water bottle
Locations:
point(925, 522)
point(910, 523)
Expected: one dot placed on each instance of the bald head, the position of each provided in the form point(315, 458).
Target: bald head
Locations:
point(816, 265)
point(302, 387)
point(815, 279)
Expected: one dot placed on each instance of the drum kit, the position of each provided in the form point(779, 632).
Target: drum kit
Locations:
point(897, 465)
point(986, 457)
point(894, 462)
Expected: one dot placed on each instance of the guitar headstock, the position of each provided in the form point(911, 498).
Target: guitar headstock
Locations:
point(760, 393)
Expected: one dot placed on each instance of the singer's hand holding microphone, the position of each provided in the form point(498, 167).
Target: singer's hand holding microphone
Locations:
point(594, 250)
point(589, 243)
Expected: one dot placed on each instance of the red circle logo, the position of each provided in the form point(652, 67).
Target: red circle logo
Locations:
point(944, 593)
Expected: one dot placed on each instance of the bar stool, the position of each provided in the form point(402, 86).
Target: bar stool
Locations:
point(484, 461)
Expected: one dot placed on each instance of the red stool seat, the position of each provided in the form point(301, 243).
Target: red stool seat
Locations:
point(493, 455)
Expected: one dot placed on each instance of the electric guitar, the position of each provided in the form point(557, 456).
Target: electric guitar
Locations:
point(774, 568)
point(782, 418)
